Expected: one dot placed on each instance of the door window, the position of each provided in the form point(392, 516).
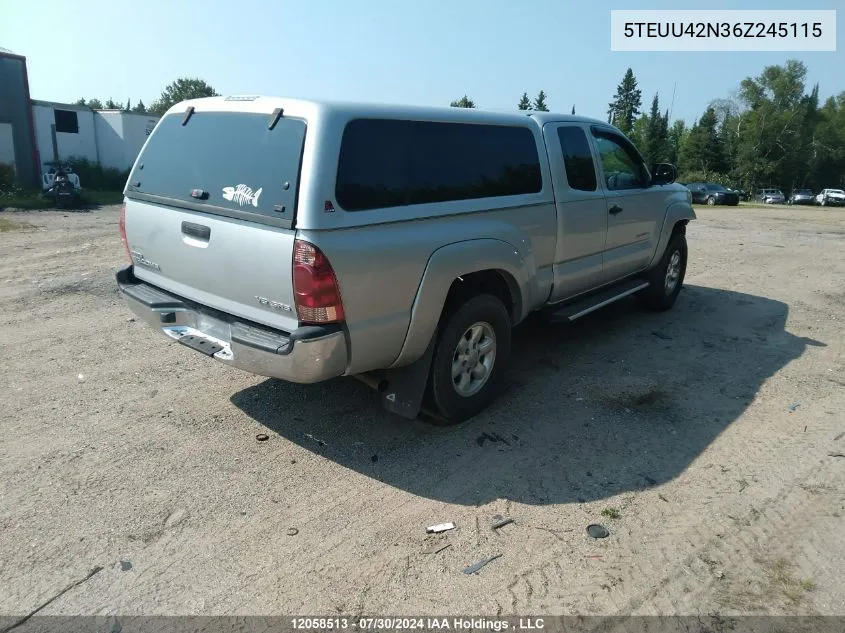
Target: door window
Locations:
point(577, 158)
point(623, 168)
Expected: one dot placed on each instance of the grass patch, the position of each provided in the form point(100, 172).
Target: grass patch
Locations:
point(33, 200)
point(18, 199)
point(776, 587)
point(102, 198)
point(611, 513)
point(7, 225)
point(780, 579)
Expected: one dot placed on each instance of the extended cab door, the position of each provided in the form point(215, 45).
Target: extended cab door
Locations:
point(581, 210)
point(634, 208)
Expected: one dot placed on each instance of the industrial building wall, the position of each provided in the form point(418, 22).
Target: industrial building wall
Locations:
point(15, 113)
point(110, 146)
point(120, 136)
point(136, 130)
point(81, 143)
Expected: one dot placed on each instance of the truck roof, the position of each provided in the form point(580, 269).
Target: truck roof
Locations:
point(263, 103)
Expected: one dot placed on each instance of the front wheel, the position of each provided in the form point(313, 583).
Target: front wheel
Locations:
point(711, 201)
point(665, 279)
point(469, 359)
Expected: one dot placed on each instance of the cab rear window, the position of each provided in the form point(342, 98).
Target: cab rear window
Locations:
point(388, 163)
point(225, 160)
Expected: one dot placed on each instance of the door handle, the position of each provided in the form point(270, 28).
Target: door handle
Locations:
point(615, 209)
point(198, 231)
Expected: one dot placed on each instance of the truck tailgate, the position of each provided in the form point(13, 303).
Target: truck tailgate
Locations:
point(239, 267)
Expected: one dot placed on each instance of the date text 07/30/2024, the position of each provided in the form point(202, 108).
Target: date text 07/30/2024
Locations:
point(411, 624)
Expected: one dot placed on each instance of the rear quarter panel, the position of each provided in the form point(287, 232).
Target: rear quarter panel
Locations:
point(379, 256)
point(380, 267)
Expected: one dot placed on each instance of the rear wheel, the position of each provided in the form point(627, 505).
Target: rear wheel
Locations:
point(666, 279)
point(711, 201)
point(469, 359)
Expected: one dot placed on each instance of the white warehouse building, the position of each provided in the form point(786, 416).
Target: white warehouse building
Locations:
point(112, 138)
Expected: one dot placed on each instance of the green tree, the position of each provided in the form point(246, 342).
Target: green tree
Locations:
point(827, 145)
point(638, 133)
point(540, 104)
point(573, 108)
point(140, 108)
point(524, 102)
point(655, 143)
point(702, 150)
point(180, 90)
point(625, 107)
point(774, 141)
point(94, 104)
point(677, 136)
point(463, 102)
point(111, 104)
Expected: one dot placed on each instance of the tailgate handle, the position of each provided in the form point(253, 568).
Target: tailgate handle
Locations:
point(196, 230)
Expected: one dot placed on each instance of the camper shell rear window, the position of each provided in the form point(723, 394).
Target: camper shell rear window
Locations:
point(229, 163)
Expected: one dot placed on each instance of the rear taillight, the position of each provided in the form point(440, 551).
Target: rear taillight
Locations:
point(123, 231)
point(315, 286)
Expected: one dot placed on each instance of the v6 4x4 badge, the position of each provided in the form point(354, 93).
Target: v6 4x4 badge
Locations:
point(276, 305)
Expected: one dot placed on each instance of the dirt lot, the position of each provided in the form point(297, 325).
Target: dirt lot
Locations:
point(705, 439)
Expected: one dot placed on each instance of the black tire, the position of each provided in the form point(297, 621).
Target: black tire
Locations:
point(659, 297)
point(448, 405)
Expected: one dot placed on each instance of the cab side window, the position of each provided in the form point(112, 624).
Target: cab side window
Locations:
point(623, 168)
point(577, 158)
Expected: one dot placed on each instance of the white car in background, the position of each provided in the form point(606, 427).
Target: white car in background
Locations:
point(831, 197)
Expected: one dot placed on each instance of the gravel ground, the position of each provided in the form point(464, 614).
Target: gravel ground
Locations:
point(704, 439)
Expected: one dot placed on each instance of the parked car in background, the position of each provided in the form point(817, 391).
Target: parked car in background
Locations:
point(831, 197)
point(712, 193)
point(771, 196)
point(801, 196)
point(743, 195)
point(696, 190)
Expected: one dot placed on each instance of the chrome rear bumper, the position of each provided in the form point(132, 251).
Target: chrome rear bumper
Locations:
point(306, 355)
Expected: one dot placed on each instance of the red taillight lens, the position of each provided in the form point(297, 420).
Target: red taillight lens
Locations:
point(123, 231)
point(315, 286)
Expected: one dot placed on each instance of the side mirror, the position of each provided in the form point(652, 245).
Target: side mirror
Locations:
point(663, 174)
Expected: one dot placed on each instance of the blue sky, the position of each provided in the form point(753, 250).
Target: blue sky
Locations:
point(403, 51)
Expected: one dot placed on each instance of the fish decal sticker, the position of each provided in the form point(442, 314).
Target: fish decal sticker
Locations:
point(242, 195)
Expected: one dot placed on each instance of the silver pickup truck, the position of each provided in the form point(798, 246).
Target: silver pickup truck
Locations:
point(307, 240)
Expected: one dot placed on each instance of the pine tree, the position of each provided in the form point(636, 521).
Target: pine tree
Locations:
point(656, 136)
point(677, 136)
point(463, 102)
point(573, 108)
point(702, 152)
point(524, 102)
point(625, 107)
point(540, 102)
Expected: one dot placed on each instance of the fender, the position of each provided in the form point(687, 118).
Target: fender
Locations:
point(448, 263)
point(675, 212)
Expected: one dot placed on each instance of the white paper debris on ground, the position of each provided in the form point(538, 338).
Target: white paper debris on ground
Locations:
point(440, 527)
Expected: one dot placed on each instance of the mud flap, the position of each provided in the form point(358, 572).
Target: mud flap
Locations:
point(406, 385)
